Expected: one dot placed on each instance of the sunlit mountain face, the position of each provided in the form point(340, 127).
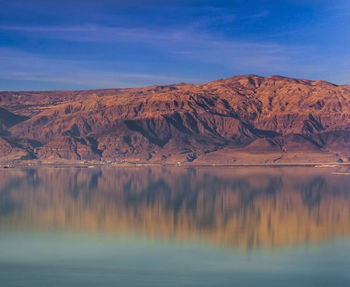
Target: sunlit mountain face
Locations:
point(240, 208)
point(239, 120)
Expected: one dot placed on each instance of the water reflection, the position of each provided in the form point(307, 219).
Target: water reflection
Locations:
point(238, 207)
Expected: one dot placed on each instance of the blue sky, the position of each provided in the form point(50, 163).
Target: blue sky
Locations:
point(85, 44)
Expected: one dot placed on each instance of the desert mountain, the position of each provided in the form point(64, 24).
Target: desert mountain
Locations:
point(244, 119)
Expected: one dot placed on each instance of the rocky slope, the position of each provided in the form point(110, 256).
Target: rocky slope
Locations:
point(244, 119)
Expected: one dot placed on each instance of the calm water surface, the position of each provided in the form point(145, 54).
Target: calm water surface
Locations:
point(175, 227)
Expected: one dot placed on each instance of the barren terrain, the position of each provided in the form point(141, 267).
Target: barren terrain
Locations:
point(240, 120)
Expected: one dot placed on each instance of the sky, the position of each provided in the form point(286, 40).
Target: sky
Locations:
point(88, 44)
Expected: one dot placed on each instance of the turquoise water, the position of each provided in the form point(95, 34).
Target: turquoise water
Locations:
point(174, 227)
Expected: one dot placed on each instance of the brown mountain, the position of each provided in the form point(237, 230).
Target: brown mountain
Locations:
point(244, 119)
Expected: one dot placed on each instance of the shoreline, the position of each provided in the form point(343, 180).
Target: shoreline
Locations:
point(23, 164)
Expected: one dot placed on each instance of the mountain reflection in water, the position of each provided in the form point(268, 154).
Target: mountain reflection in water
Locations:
point(237, 207)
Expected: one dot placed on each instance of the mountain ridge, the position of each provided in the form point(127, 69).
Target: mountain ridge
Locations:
point(242, 119)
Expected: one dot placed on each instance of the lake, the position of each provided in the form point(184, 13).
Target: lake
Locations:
point(175, 226)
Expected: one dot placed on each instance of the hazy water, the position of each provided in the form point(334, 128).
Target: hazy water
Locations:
point(174, 227)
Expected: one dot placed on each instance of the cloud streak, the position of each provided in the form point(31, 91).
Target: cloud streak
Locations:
point(136, 43)
point(189, 43)
point(75, 74)
point(192, 44)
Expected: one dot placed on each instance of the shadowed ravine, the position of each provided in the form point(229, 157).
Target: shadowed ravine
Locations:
point(237, 207)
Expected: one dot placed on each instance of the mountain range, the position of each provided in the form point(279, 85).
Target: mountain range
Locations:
point(240, 120)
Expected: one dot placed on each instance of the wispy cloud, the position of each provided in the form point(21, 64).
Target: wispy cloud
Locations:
point(258, 15)
point(96, 33)
point(192, 44)
point(22, 66)
point(187, 43)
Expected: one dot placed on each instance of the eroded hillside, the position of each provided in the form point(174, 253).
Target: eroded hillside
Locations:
point(244, 119)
